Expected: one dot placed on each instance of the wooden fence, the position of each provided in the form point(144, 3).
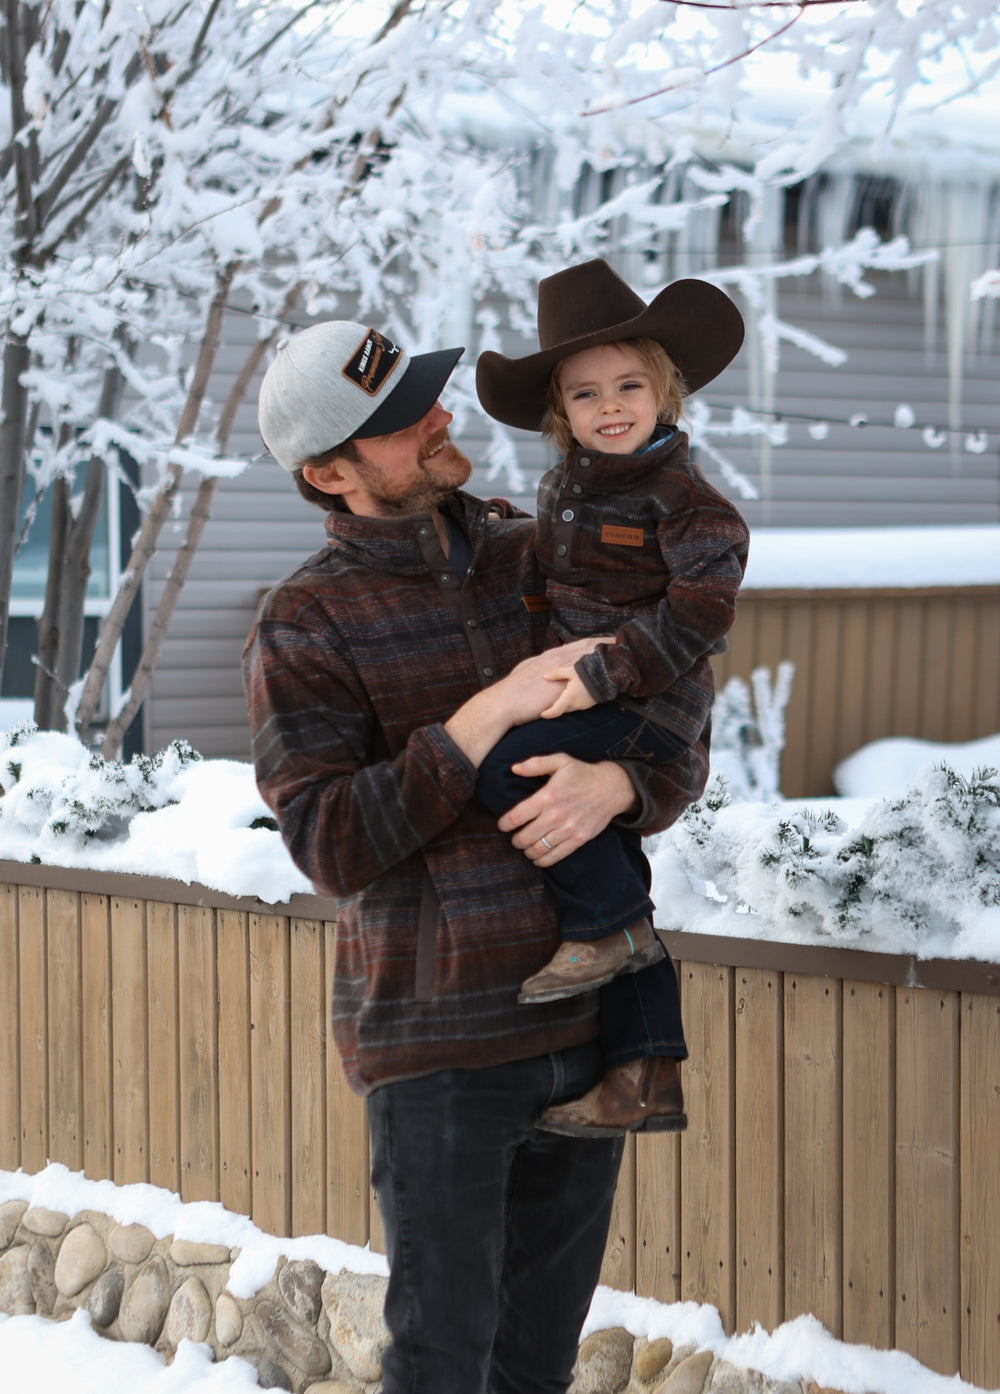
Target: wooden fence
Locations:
point(845, 1107)
point(871, 663)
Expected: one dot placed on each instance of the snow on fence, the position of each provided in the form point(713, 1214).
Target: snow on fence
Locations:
point(869, 663)
point(844, 1105)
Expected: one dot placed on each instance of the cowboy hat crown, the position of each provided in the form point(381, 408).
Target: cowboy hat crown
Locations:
point(697, 324)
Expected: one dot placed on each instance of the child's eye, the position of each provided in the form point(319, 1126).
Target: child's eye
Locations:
point(630, 386)
point(582, 394)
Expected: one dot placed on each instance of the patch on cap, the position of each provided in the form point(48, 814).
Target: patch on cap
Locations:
point(372, 362)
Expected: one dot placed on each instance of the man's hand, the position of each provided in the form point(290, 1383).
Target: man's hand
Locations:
point(578, 801)
point(518, 698)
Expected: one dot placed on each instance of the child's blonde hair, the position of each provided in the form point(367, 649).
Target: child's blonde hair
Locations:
point(667, 384)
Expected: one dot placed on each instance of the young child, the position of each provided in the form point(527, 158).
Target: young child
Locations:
point(635, 544)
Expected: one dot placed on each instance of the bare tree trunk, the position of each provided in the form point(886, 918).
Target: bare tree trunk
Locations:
point(60, 629)
point(47, 703)
point(13, 438)
point(200, 512)
point(145, 545)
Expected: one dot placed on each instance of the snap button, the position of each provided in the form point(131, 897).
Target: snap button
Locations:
point(585, 462)
point(471, 624)
point(577, 488)
point(446, 577)
point(488, 672)
point(561, 550)
point(568, 515)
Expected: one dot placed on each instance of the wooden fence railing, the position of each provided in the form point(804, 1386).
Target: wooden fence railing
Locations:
point(871, 663)
point(845, 1107)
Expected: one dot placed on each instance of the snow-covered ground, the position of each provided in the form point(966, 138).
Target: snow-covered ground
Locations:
point(71, 1358)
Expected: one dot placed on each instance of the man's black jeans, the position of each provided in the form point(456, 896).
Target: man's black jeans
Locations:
point(495, 1231)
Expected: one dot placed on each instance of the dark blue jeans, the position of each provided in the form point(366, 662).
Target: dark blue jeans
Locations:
point(603, 886)
point(494, 1230)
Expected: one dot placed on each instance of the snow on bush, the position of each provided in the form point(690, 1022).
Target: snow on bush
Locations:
point(918, 873)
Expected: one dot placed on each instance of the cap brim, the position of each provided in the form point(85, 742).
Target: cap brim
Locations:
point(414, 394)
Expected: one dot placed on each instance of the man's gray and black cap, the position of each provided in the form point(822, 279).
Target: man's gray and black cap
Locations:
point(341, 381)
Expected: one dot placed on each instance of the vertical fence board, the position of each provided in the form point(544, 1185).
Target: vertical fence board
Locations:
point(658, 1214)
point(33, 1006)
point(813, 1234)
point(938, 622)
point(164, 1080)
point(270, 1063)
point(351, 1211)
point(853, 676)
point(869, 1149)
point(95, 1054)
point(980, 1189)
point(795, 769)
point(235, 1151)
point(10, 1046)
point(759, 1149)
point(198, 1053)
point(62, 914)
point(130, 1039)
point(927, 1178)
point(618, 1266)
point(826, 697)
point(707, 1209)
point(908, 668)
point(878, 694)
point(961, 673)
point(308, 1063)
point(986, 688)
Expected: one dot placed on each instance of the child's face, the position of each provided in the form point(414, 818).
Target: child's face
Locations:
point(609, 399)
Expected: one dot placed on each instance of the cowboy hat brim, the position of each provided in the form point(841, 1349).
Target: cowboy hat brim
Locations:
point(695, 322)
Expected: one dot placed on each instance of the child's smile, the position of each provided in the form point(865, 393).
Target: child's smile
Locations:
point(609, 399)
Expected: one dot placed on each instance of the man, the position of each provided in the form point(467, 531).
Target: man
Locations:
point(373, 677)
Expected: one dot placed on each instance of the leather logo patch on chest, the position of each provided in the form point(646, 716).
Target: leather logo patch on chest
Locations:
point(622, 537)
point(535, 603)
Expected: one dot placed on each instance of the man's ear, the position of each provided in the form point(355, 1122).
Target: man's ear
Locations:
point(328, 478)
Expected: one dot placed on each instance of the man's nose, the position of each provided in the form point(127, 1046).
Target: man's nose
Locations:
point(438, 417)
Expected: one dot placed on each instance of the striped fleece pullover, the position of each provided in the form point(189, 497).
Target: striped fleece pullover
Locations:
point(642, 547)
point(354, 662)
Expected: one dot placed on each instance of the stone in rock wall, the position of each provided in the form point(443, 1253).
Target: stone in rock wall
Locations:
point(688, 1376)
point(734, 1379)
point(228, 1320)
point(358, 1333)
point(105, 1300)
point(186, 1253)
point(300, 1282)
point(653, 1358)
point(190, 1314)
point(16, 1297)
point(144, 1309)
point(42, 1275)
point(294, 1339)
point(10, 1217)
point(48, 1223)
point(131, 1243)
point(604, 1362)
point(270, 1375)
point(82, 1258)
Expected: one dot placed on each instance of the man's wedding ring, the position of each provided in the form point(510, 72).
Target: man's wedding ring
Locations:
point(548, 844)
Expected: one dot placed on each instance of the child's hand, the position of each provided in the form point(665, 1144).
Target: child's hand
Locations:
point(574, 696)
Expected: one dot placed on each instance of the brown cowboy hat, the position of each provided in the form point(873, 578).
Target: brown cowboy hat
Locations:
point(698, 325)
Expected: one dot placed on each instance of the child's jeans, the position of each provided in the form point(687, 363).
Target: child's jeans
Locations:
point(603, 886)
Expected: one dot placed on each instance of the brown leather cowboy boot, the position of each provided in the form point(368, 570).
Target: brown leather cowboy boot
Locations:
point(641, 1096)
point(580, 967)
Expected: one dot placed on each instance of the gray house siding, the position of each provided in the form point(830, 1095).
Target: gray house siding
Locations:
point(871, 475)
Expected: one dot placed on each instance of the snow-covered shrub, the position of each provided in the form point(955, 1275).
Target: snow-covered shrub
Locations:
point(80, 795)
point(748, 737)
point(917, 870)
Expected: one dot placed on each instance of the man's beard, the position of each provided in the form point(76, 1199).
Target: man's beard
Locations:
point(422, 492)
